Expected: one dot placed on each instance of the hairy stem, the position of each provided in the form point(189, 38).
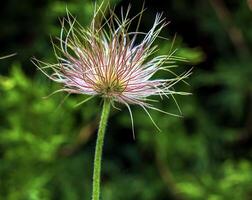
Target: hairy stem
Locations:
point(98, 150)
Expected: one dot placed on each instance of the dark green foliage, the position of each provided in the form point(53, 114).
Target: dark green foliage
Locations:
point(47, 144)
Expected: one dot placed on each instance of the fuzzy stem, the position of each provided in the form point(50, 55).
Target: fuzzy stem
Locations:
point(98, 150)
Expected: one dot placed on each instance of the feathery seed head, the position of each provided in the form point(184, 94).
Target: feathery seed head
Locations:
point(106, 60)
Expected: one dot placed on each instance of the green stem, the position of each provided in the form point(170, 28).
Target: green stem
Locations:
point(98, 150)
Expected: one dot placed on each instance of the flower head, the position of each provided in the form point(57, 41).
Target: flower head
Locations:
point(109, 61)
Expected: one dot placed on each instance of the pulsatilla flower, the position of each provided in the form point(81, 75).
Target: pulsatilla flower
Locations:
point(107, 60)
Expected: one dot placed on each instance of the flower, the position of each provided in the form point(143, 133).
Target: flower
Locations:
point(109, 61)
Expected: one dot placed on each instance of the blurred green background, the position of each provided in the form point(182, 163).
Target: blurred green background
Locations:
point(47, 145)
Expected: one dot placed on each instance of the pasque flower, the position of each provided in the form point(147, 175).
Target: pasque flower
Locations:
point(107, 60)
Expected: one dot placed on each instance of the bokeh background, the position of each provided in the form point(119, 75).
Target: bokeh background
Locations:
point(47, 145)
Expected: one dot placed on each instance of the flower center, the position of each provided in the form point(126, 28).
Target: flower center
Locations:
point(110, 89)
